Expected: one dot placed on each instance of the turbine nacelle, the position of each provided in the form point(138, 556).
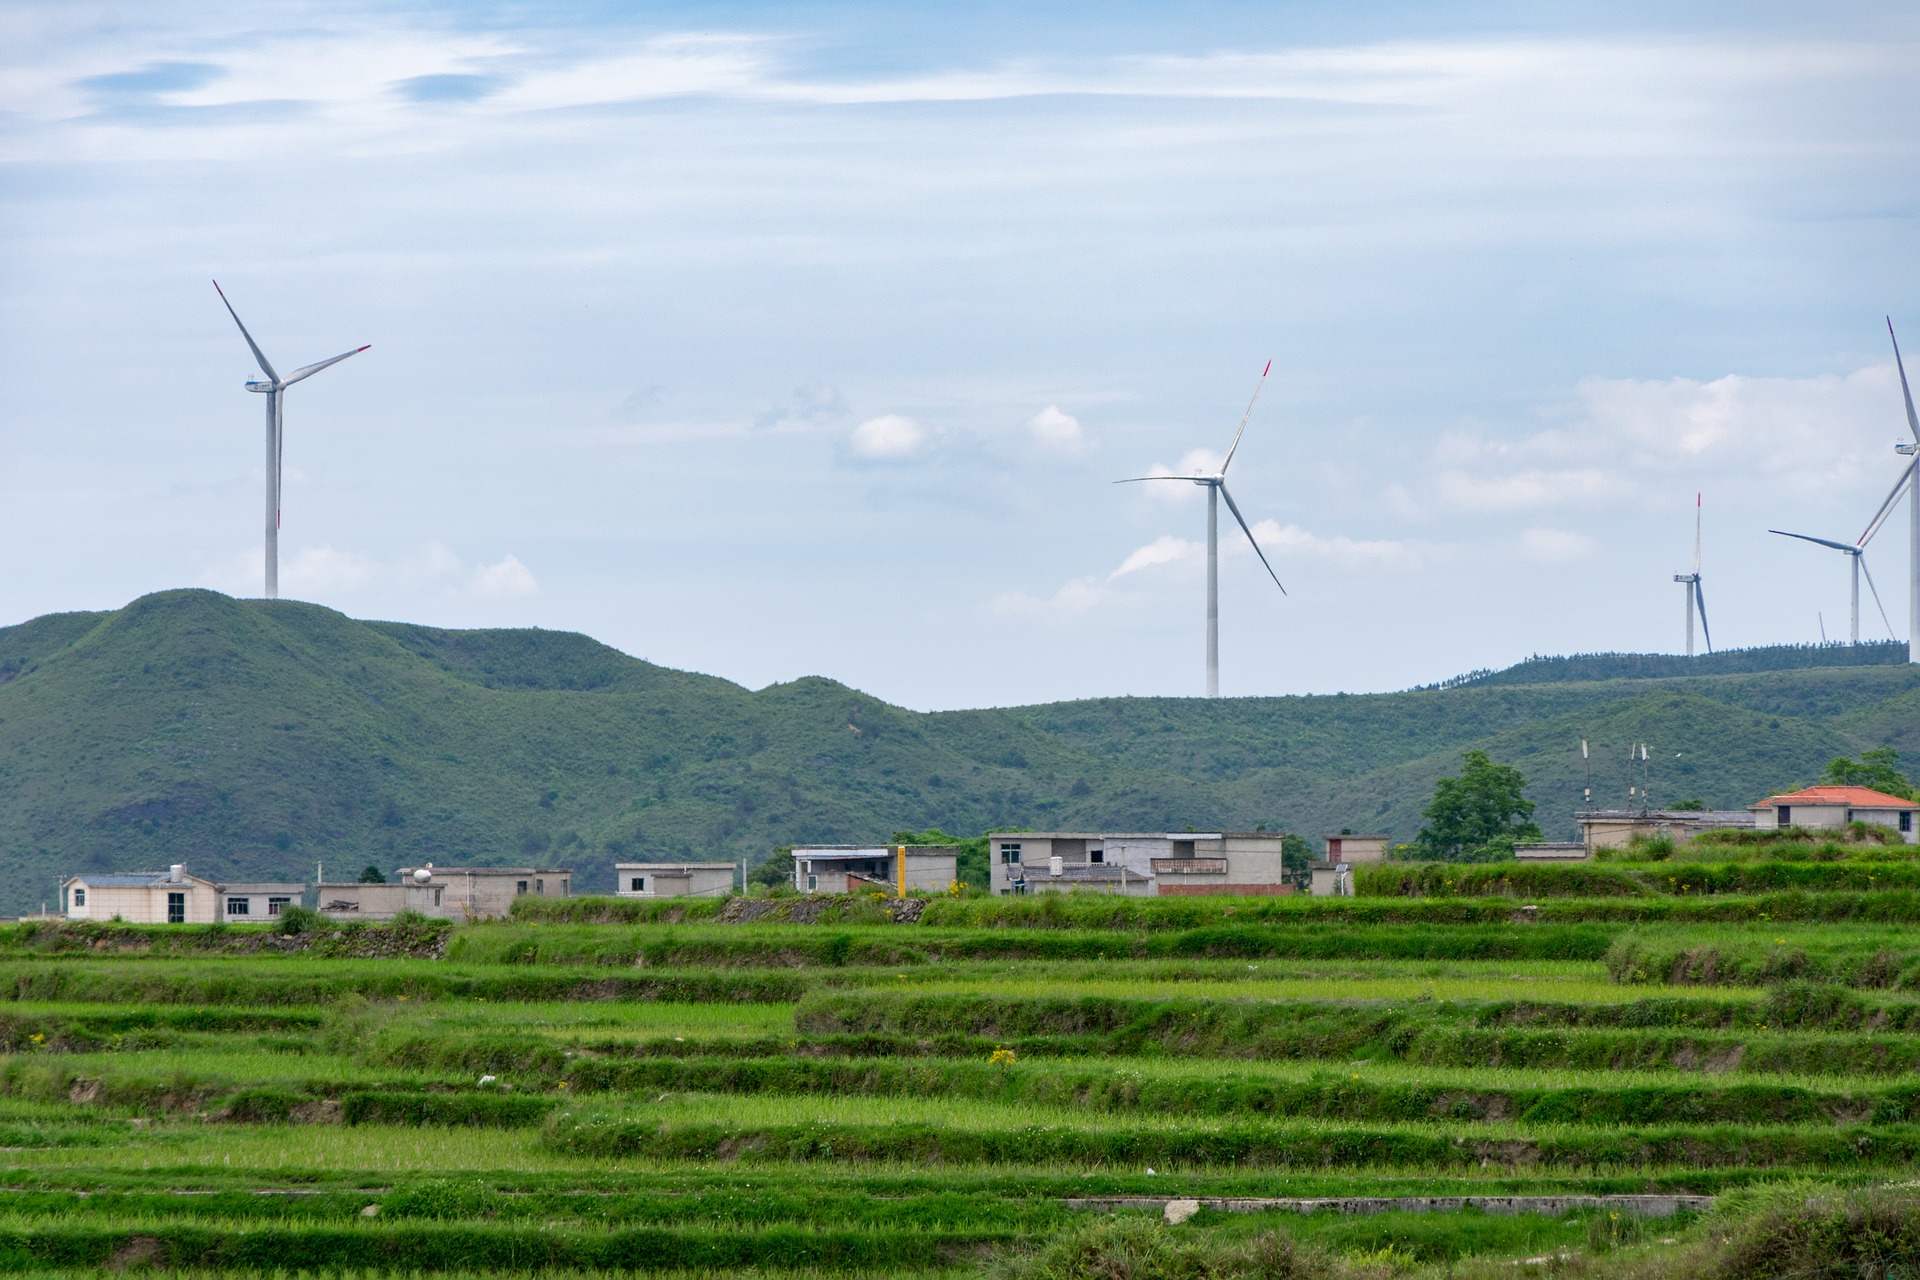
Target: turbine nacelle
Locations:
point(262, 388)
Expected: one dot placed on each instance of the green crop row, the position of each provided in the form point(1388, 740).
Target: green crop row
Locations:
point(1752, 962)
point(415, 1247)
point(149, 982)
point(1525, 881)
point(1238, 1145)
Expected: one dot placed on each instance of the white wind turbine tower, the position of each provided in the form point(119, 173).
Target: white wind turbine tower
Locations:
point(1216, 487)
point(1908, 476)
point(1696, 599)
point(273, 388)
point(1858, 555)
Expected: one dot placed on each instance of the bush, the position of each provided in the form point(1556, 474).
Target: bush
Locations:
point(1139, 1248)
point(296, 920)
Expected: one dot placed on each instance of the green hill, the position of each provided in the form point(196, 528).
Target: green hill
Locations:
point(254, 738)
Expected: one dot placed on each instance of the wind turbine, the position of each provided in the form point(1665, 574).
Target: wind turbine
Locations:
point(1216, 487)
point(1906, 482)
point(1859, 556)
point(1695, 597)
point(273, 388)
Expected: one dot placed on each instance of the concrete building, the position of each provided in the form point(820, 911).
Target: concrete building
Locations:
point(1347, 847)
point(172, 897)
point(1831, 808)
point(673, 879)
point(1332, 875)
point(1616, 828)
point(1553, 851)
point(445, 893)
point(868, 868)
point(1138, 864)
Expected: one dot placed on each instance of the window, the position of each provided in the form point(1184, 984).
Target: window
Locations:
point(80, 894)
point(436, 896)
point(1010, 854)
point(539, 886)
point(1097, 857)
point(239, 906)
point(1783, 816)
point(1183, 848)
point(275, 904)
point(813, 882)
point(522, 888)
point(176, 908)
point(1906, 824)
point(639, 884)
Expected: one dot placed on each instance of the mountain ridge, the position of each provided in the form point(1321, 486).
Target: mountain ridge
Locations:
point(254, 738)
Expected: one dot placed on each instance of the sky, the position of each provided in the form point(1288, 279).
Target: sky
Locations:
point(809, 339)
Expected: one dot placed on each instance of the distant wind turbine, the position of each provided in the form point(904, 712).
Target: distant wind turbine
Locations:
point(1216, 487)
point(273, 388)
point(1859, 558)
point(1695, 597)
point(1906, 483)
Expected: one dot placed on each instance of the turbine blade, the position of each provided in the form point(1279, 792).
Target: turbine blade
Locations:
point(1696, 533)
point(1876, 599)
point(1886, 508)
point(258, 354)
point(1144, 479)
point(1250, 538)
point(1913, 423)
point(1847, 547)
point(1243, 423)
point(1700, 601)
point(312, 369)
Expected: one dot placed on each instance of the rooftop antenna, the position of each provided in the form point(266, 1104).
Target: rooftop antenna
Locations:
point(1216, 487)
point(1587, 762)
point(1909, 482)
point(1695, 598)
point(273, 388)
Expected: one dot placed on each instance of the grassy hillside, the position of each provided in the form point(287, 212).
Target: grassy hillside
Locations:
point(254, 738)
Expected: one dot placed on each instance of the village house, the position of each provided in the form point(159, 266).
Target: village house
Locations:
point(172, 897)
point(444, 893)
point(1136, 864)
point(1332, 875)
point(1616, 828)
point(1832, 808)
point(673, 879)
point(864, 868)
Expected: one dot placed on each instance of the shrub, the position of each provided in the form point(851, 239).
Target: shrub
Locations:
point(296, 920)
point(1139, 1248)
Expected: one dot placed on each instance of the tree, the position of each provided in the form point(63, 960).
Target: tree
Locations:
point(371, 874)
point(1877, 769)
point(1478, 816)
point(1296, 855)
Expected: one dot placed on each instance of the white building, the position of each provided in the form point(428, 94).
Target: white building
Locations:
point(673, 879)
point(862, 868)
point(1137, 864)
point(171, 897)
point(1832, 808)
point(445, 893)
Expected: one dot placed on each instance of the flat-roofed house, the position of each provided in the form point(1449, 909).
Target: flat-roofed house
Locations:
point(171, 897)
point(1616, 828)
point(1830, 808)
point(1137, 864)
point(1349, 848)
point(445, 893)
point(872, 868)
point(673, 879)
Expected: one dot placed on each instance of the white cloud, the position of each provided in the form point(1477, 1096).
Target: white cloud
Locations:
point(1293, 539)
point(1554, 546)
point(888, 436)
point(1165, 549)
point(506, 579)
point(1057, 431)
point(328, 575)
point(1075, 599)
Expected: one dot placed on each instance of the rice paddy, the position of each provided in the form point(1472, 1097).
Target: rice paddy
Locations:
point(861, 1097)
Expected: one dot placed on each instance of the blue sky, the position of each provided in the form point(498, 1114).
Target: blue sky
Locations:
point(807, 339)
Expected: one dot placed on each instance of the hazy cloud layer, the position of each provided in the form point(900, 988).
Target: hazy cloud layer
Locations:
point(747, 338)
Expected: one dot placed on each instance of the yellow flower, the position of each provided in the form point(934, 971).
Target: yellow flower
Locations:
point(1001, 1057)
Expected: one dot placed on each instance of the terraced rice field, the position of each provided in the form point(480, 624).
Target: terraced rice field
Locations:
point(859, 1097)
